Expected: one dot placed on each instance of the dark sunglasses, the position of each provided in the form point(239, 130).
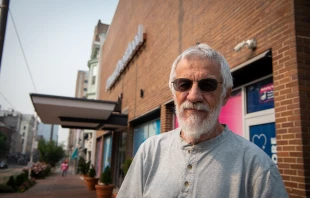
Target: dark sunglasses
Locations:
point(184, 84)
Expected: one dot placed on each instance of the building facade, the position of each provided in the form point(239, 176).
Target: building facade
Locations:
point(75, 136)
point(270, 99)
point(27, 132)
point(23, 124)
point(100, 33)
point(48, 132)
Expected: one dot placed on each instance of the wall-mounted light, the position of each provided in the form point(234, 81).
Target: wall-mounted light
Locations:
point(251, 44)
point(141, 93)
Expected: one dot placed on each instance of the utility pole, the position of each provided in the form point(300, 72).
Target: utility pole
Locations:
point(52, 131)
point(34, 145)
point(4, 9)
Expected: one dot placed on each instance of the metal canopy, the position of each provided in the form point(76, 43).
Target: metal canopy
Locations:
point(79, 113)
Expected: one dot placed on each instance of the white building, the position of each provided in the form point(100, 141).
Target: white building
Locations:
point(27, 132)
point(93, 89)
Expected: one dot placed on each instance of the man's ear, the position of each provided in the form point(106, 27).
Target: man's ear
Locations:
point(228, 92)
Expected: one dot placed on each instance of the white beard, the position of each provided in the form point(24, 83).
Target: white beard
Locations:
point(194, 126)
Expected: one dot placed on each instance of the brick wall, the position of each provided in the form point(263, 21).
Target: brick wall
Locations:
point(302, 16)
point(166, 118)
point(174, 25)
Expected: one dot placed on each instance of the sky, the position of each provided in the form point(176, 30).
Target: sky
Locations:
point(56, 37)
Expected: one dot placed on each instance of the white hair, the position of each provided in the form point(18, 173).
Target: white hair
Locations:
point(206, 52)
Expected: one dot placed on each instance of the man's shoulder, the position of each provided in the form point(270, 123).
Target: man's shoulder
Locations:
point(250, 152)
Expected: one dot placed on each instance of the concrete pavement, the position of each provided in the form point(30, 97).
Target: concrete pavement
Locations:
point(55, 186)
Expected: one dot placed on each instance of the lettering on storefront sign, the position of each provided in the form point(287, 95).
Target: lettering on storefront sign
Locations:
point(266, 93)
point(274, 155)
point(265, 140)
point(131, 50)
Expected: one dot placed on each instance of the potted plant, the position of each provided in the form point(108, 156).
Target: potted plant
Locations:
point(90, 179)
point(83, 167)
point(126, 165)
point(104, 188)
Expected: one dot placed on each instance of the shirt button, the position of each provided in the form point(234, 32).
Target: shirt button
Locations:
point(189, 166)
point(186, 183)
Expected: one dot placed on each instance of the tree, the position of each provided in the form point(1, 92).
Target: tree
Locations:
point(4, 145)
point(50, 152)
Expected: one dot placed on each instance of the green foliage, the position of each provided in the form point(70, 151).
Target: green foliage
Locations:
point(126, 165)
point(92, 172)
point(106, 176)
point(20, 179)
point(6, 189)
point(11, 183)
point(83, 167)
point(4, 145)
point(50, 152)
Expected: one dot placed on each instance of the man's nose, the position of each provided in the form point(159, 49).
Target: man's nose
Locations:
point(195, 94)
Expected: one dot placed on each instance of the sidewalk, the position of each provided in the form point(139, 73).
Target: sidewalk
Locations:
point(54, 186)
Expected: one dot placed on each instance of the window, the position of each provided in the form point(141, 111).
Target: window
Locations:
point(142, 132)
point(24, 127)
point(85, 89)
point(85, 81)
point(259, 96)
point(23, 134)
point(93, 80)
point(107, 152)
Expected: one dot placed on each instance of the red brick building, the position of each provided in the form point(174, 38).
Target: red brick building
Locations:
point(278, 66)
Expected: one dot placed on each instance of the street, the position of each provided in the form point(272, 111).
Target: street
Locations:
point(11, 170)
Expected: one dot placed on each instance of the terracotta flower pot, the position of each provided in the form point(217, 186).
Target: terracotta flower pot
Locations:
point(104, 191)
point(91, 182)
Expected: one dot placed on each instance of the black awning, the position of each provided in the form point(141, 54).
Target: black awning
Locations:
point(78, 113)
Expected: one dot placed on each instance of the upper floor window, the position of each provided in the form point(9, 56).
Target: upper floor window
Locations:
point(93, 81)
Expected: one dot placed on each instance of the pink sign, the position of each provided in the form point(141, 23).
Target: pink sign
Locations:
point(231, 113)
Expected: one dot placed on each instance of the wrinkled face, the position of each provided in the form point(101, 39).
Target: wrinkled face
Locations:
point(198, 110)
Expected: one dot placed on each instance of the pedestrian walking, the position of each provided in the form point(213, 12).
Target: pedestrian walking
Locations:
point(64, 168)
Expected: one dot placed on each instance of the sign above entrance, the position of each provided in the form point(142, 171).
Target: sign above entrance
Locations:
point(131, 50)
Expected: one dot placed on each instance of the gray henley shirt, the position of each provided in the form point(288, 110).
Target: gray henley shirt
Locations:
point(225, 166)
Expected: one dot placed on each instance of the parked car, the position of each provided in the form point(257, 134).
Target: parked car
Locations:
point(3, 165)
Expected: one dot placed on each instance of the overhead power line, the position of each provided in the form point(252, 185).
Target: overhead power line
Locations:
point(21, 46)
point(7, 100)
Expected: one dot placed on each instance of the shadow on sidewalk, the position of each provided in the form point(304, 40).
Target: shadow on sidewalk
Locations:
point(56, 186)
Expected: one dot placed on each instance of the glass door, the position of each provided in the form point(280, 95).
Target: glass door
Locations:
point(262, 132)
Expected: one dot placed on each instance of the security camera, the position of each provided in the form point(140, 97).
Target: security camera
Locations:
point(239, 46)
point(251, 44)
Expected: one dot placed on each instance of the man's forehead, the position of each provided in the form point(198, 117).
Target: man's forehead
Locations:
point(196, 62)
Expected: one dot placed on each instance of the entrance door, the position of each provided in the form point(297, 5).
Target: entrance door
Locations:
point(262, 132)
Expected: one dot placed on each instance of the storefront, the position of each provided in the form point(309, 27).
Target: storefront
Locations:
point(269, 104)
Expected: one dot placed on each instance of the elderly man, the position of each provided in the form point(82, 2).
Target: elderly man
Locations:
point(202, 158)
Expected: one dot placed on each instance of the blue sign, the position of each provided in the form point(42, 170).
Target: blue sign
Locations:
point(264, 136)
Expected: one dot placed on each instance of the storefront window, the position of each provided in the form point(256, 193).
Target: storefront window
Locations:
point(107, 152)
point(259, 96)
point(142, 132)
point(231, 113)
point(98, 146)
